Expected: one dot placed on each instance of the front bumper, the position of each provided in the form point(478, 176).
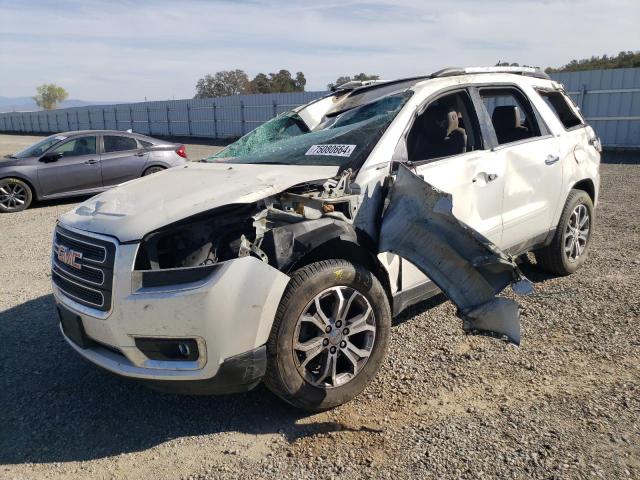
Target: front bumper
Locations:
point(229, 314)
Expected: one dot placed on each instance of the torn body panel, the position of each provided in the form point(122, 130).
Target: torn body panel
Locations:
point(418, 224)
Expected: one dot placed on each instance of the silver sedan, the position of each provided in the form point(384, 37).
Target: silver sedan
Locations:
point(81, 163)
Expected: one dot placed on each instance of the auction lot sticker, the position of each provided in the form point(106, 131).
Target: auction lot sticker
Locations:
point(334, 150)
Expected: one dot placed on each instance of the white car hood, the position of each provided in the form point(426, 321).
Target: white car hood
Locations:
point(133, 209)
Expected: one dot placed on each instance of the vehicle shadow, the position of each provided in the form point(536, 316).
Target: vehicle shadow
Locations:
point(419, 308)
point(55, 407)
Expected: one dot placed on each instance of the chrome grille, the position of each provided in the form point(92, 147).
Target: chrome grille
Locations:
point(82, 268)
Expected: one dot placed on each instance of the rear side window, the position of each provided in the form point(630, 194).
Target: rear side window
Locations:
point(119, 144)
point(511, 114)
point(560, 106)
point(145, 144)
point(78, 146)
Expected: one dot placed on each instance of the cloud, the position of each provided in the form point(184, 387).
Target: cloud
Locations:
point(127, 50)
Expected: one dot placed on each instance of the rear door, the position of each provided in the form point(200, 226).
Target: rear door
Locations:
point(123, 158)
point(533, 171)
point(77, 170)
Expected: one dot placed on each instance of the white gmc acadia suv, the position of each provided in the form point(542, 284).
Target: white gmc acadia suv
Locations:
point(284, 258)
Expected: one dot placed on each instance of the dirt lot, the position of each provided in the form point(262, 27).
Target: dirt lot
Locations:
point(566, 404)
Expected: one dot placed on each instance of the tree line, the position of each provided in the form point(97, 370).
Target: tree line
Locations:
point(624, 59)
point(236, 82)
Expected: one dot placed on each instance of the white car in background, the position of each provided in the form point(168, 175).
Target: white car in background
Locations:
point(283, 258)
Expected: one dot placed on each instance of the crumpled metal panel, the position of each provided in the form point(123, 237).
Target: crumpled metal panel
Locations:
point(419, 225)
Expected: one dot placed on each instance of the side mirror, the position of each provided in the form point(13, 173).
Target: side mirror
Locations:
point(50, 157)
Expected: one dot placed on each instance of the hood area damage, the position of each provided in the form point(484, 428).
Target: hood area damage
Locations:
point(416, 223)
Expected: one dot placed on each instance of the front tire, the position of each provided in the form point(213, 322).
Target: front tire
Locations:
point(15, 195)
point(570, 245)
point(329, 336)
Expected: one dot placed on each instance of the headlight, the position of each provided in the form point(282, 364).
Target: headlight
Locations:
point(188, 251)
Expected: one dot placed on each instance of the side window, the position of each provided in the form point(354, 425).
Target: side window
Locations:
point(77, 146)
point(511, 114)
point(448, 126)
point(145, 144)
point(559, 105)
point(114, 143)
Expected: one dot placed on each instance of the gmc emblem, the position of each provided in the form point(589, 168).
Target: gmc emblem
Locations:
point(68, 256)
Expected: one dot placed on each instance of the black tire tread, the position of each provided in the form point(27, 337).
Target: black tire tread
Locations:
point(550, 258)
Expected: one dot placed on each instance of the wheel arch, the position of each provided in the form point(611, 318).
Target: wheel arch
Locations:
point(587, 186)
point(155, 164)
point(34, 191)
point(324, 239)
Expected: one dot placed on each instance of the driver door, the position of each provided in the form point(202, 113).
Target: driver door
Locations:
point(460, 163)
point(77, 169)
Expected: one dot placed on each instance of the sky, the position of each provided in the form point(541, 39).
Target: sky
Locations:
point(126, 50)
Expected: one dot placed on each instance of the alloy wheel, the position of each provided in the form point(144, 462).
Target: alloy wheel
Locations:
point(12, 195)
point(334, 337)
point(576, 234)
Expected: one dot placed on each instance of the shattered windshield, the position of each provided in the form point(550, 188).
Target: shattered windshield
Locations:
point(342, 140)
point(39, 148)
point(283, 126)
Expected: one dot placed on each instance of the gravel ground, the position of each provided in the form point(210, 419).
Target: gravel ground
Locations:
point(565, 404)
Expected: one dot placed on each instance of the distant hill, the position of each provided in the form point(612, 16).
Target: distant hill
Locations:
point(22, 104)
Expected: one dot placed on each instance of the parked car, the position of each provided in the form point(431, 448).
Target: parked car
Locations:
point(81, 163)
point(284, 258)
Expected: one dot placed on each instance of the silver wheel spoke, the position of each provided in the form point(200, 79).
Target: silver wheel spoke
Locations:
point(344, 306)
point(4, 190)
point(326, 368)
point(315, 320)
point(359, 324)
point(321, 313)
point(352, 359)
point(358, 351)
point(310, 355)
point(20, 201)
point(309, 344)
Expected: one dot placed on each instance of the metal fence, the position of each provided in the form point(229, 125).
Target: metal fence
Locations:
point(609, 99)
point(221, 117)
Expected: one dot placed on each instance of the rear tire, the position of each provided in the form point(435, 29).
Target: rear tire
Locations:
point(151, 170)
point(570, 245)
point(310, 314)
point(15, 195)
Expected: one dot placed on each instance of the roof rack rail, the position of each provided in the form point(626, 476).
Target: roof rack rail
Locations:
point(352, 84)
point(526, 71)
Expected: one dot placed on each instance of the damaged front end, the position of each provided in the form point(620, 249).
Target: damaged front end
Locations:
point(279, 230)
point(419, 225)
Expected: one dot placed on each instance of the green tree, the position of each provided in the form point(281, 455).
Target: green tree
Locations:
point(49, 95)
point(281, 82)
point(362, 77)
point(222, 84)
point(625, 59)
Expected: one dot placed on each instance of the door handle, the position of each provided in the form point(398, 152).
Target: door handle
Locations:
point(140, 154)
point(484, 178)
point(92, 161)
point(551, 159)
